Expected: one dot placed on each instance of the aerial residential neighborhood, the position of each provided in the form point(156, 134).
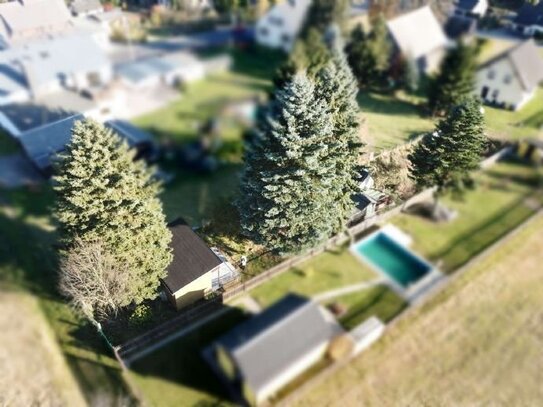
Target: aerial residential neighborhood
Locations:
point(271, 203)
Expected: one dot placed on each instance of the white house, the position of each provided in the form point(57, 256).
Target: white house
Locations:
point(529, 19)
point(196, 270)
point(471, 8)
point(38, 68)
point(27, 20)
point(280, 26)
point(260, 356)
point(511, 78)
point(82, 8)
point(418, 35)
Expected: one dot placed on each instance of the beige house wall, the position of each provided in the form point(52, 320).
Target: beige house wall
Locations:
point(194, 291)
point(511, 94)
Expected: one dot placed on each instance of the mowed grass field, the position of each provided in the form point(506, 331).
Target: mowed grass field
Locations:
point(34, 371)
point(505, 196)
point(479, 342)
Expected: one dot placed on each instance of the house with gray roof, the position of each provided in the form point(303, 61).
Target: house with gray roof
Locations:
point(263, 354)
point(512, 78)
point(43, 143)
point(418, 35)
point(196, 269)
point(22, 21)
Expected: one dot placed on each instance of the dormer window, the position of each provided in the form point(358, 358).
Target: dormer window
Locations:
point(276, 21)
point(507, 79)
point(491, 74)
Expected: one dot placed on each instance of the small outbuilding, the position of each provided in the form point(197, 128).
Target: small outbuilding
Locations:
point(263, 354)
point(196, 269)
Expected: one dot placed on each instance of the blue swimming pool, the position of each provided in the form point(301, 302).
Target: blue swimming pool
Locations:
point(392, 258)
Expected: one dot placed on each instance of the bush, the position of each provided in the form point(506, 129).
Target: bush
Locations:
point(141, 315)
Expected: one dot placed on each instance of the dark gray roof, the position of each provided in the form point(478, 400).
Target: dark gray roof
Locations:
point(467, 5)
point(530, 14)
point(456, 26)
point(29, 116)
point(43, 143)
point(134, 135)
point(192, 258)
point(272, 341)
point(527, 63)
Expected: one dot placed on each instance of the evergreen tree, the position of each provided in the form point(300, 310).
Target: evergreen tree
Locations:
point(380, 45)
point(104, 195)
point(446, 158)
point(308, 54)
point(336, 86)
point(285, 202)
point(324, 13)
point(361, 58)
point(456, 78)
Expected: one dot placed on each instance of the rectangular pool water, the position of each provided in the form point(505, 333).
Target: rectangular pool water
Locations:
point(392, 258)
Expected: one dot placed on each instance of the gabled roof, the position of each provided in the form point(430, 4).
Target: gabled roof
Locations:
point(530, 14)
point(269, 343)
point(22, 19)
point(192, 258)
point(43, 143)
point(527, 63)
point(46, 61)
point(417, 33)
point(456, 26)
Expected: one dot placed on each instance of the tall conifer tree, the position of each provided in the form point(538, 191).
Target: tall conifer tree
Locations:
point(104, 195)
point(447, 157)
point(284, 201)
point(455, 80)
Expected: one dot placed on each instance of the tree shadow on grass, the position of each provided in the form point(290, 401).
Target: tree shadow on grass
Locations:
point(181, 361)
point(481, 236)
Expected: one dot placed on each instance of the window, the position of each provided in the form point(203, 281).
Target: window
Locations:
point(507, 79)
point(495, 94)
point(285, 38)
point(263, 31)
point(491, 74)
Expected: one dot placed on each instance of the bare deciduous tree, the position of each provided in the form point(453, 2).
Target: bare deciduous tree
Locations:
point(94, 280)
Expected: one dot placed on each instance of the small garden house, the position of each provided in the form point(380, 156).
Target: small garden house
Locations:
point(196, 270)
point(263, 354)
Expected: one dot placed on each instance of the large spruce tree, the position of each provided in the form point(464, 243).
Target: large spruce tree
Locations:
point(361, 58)
point(446, 158)
point(455, 80)
point(336, 87)
point(104, 195)
point(284, 201)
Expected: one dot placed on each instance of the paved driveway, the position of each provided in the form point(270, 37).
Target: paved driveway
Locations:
point(17, 171)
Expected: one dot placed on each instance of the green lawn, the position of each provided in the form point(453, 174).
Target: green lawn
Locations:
point(379, 301)
point(327, 271)
point(27, 262)
point(497, 205)
point(390, 121)
point(194, 197)
point(176, 375)
point(527, 122)
point(249, 77)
